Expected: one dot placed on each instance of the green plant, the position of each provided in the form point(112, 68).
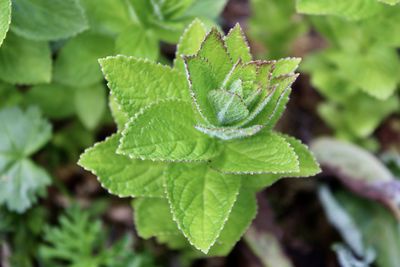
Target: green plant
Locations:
point(196, 141)
point(80, 241)
point(22, 133)
point(358, 72)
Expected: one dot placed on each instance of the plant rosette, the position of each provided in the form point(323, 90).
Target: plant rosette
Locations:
point(196, 142)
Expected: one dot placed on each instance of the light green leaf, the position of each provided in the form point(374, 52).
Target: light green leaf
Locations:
point(375, 72)
point(153, 218)
point(121, 175)
point(215, 52)
point(21, 183)
point(21, 135)
point(136, 83)
point(286, 66)
point(237, 45)
point(165, 131)
point(266, 152)
point(308, 166)
point(44, 20)
point(201, 200)
point(24, 61)
point(107, 17)
point(228, 107)
point(206, 8)
point(243, 212)
point(227, 133)
point(90, 104)
point(76, 64)
point(352, 10)
point(5, 18)
point(138, 42)
point(55, 100)
point(189, 43)
point(119, 116)
point(201, 81)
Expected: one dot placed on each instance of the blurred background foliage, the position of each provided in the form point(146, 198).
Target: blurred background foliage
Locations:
point(54, 103)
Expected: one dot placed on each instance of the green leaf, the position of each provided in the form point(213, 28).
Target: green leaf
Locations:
point(227, 133)
point(107, 17)
point(5, 18)
point(165, 131)
point(266, 152)
point(136, 83)
point(21, 183)
point(153, 218)
point(201, 200)
point(308, 166)
point(24, 61)
point(201, 81)
point(206, 8)
point(138, 42)
point(352, 10)
point(121, 175)
point(90, 104)
point(229, 107)
point(243, 212)
point(21, 135)
point(237, 45)
point(375, 72)
point(214, 51)
point(76, 64)
point(56, 101)
point(286, 66)
point(119, 116)
point(44, 20)
point(189, 43)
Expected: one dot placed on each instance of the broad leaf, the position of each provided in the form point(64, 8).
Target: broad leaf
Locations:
point(153, 218)
point(107, 17)
point(165, 131)
point(136, 83)
point(121, 175)
point(5, 18)
point(119, 116)
point(76, 64)
point(90, 104)
point(243, 212)
point(189, 43)
point(55, 100)
point(214, 51)
point(21, 135)
point(138, 42)
point(24, 62)
point(49, 20)
point(308, 166)
point(266, 152)
point(237, 45)
point(201, 200)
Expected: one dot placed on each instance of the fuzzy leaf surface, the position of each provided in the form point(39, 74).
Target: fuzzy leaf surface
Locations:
point(121, 175)
point(165, 131)
point(308, 166)
point(136, 83)
point(243, 212)
point(237, 45)
point(201, 200)
point(189, 43)
point(266, 152)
